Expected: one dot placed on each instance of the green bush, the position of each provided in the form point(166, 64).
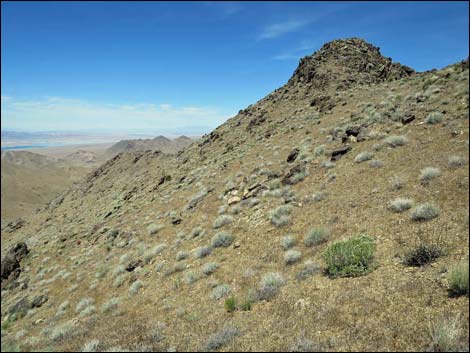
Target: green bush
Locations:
point(350, 258)
point(458, 280)
point(230, 304)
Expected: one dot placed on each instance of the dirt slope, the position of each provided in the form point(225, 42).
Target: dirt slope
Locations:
point(128, 259)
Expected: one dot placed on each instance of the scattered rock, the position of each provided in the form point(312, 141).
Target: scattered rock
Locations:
point(39, 300)
point(233, 200)
point(293, 155)
point(133, 265)
point(338, 153)
point(408, 118)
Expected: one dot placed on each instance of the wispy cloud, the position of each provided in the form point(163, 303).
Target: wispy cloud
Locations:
point(304, 48)
point(225, 8)
point(56, 113)
point(275, 30)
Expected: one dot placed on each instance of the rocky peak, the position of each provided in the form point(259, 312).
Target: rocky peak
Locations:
point(345, 62)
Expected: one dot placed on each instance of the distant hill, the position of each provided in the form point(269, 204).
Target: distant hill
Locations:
point(30, 180)
point(159, 143)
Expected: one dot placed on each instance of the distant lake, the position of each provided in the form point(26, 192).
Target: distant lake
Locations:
point(6, 148)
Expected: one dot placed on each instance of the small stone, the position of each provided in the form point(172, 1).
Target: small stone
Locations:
point(233, 200)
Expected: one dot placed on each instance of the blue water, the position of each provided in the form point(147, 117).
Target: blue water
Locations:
point(6, 148)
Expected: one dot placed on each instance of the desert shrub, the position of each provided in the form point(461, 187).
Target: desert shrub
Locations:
point(424, 212)
point(428, 173)
point(62, 308)
point(91, 346)
point(433, 118)
point(181, 255)
point(222, 221)
point(350, 258)
point(154, 228)
point(327, 164)
point(110, 305)
point(280, 216)
point(120, 269)
point(222, 239)
point(445, 335)
point(318, 151)
point(191, 277)
point(220, 291)
point(209, 268)
point(316, 236)
point(62, 332)
point(396, 182)
point(197, 232)
point(456, 161)
point(458, 280)
point(202, 251)
point(180, 266)
point(269, 287)
point(119, 281)
point(400, 204)
point(422, 255)
point(221, 338)
point(396, 140)
point(83, 304)
point(134, 288)
point(303, 344)
point(287, 242)
point(298, 177)
point(363, 156)
point(309, 269)
point(375, 163)
point(124, 259)
point(319, 196)
point(252, 202)
point(230, 304)
point(291, 256)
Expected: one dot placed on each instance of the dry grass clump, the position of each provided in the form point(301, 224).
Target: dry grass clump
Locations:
point(221, 221)
point(134, 288)
point(429, 173)
point(458, 280)
point(209, 268)
point(287, 242)
point(220, 291)
point(197, 232)
point(154, 228)
point(424, 212)
point(456, 161)
point(62, 332)
point(363, 156)
point(396, 140)
point(202, 251)
point(280, 216)
point(268, 288)
point(433, 118)
point(222, 239)
point(376, 163)
point(397, 183)
point(221, 338)
point(316, 236)
point(91, 346)
point(292, 256)
point(309, 269)
point(400, 204)
point(445, 335)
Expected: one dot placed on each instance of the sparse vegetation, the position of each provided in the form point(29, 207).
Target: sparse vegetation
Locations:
point(135, 286)
point(433, 118)
point(445, 335)
point(396, 141)
point(287, 242)
point(230, 304)
point(292, 256)
point(400, 204)
point(363, 156)
point(424, 212)
point(209, 268)
point(221, 221)
point(422, 255)
point(350, 258)
point(202, 251)
point(220, 291)
point(429, 173)
point(456, 161)
point(458, 279)
point(316, 236)
point(153, 228)
point(221, 338)
point(280, 216)
point(222, 239)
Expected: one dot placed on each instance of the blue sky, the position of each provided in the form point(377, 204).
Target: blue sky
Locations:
point(189, 66)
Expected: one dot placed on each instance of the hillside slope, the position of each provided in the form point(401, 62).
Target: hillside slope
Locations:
point(159, 143)
point(30, 180)
point(133, 258)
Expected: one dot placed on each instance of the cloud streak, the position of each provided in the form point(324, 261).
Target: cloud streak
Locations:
point(278, 29)
point(57, 113)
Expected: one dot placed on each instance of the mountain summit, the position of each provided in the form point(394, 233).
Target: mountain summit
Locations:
point(346, 62)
